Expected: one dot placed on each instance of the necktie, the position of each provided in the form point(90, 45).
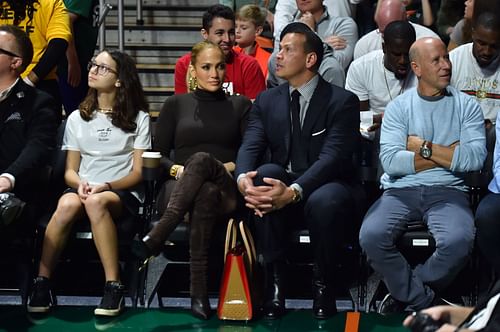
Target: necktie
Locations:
point(297, 157)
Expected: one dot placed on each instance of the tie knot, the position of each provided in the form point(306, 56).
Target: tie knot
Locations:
point(295, 94)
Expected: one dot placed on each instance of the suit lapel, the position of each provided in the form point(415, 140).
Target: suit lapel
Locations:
point(318, 102)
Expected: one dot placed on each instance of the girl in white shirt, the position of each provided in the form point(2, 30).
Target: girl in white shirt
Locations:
point(104, 142)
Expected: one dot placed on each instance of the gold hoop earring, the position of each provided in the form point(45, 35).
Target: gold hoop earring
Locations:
point(192, 83)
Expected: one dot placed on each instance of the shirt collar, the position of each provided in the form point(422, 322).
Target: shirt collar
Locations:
point(306, 90)
point(5, 93)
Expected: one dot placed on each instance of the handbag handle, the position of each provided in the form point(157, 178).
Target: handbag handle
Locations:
point(249, 244)
point(230, 237)
point(246, 236)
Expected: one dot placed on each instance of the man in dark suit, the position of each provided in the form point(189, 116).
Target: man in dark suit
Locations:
point(308, 129)
point(28, 121)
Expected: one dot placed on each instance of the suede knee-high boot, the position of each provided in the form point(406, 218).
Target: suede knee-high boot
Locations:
point(203, 218)
point(199, 168)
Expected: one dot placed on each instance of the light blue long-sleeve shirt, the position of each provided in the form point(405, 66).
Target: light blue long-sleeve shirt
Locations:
point(441, 120)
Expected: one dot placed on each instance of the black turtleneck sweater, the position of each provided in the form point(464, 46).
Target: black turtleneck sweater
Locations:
point(201, 122)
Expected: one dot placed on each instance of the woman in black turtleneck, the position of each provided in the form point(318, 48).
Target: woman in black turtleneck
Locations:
point(204, 130)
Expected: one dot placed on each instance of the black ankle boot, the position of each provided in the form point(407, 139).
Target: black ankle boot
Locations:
point(274, 304)
point(323, 300)
point(323, 296)
point(200, 307)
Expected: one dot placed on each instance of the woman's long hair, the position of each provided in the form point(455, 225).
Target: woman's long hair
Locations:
point(129, 99)
point(22, 8)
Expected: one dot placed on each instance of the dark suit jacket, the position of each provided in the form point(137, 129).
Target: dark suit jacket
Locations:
point(330, 132)
point(28, 127)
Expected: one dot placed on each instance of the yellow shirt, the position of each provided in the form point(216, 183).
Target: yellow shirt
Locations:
point(50, 21)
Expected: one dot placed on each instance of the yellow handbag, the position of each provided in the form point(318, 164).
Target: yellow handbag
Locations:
point(238, 293)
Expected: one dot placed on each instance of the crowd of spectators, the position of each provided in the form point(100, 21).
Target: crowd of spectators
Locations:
point(277, 102)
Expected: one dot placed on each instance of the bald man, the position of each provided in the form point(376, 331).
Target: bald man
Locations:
point(387, 11)
point(430, 136)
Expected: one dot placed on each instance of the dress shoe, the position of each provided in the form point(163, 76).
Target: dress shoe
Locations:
point(274, 307)
point(200, 307)
point(323, 301)
point(274, 304)
point(390, 305)
point(274, 310)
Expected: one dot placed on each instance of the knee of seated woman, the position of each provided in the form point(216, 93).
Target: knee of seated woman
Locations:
point(96, 201)
point(69, 203)
point(200, 156)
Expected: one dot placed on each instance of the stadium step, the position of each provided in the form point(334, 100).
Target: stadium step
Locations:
point(167, 31)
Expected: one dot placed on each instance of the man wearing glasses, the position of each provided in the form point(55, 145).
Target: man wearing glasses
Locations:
point(27, 122)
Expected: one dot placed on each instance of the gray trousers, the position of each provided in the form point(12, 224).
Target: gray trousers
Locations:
point(446, 211)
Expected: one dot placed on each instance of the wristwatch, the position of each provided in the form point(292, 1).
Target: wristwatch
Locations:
point(296, 195)
point(426, 150)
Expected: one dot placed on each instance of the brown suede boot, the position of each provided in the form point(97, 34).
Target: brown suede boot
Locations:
point(199, 168)
point(203, 219)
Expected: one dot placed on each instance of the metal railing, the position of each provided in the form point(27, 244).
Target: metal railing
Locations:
point(104, 9)
point(139, 17)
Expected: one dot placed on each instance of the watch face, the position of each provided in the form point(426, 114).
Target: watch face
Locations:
point(425, 152)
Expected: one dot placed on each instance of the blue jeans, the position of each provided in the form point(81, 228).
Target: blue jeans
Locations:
point(446, 211)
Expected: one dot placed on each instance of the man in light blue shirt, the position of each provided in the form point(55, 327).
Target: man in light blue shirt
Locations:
point(430, 136)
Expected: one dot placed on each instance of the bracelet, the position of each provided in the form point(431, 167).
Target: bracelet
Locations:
point(109, 185)
point(173, 171)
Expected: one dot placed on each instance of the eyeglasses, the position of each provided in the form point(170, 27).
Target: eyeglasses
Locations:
point(101, 69)
point(9, 53)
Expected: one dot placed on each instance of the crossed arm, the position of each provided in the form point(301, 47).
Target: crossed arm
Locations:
point(442, 155)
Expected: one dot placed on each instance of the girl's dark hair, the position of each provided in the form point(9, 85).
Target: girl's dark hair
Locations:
point(129, 99)
point(22, 8)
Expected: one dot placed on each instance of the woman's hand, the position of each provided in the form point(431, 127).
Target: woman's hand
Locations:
point(98, 188)
point(230, 166)
point(83, 189)
point(180, 170)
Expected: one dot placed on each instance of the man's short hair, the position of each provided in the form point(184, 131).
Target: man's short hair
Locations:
point(214, 12)
point(312, 42)
point(24, 47)
point(487, 20)
point(399, 30)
